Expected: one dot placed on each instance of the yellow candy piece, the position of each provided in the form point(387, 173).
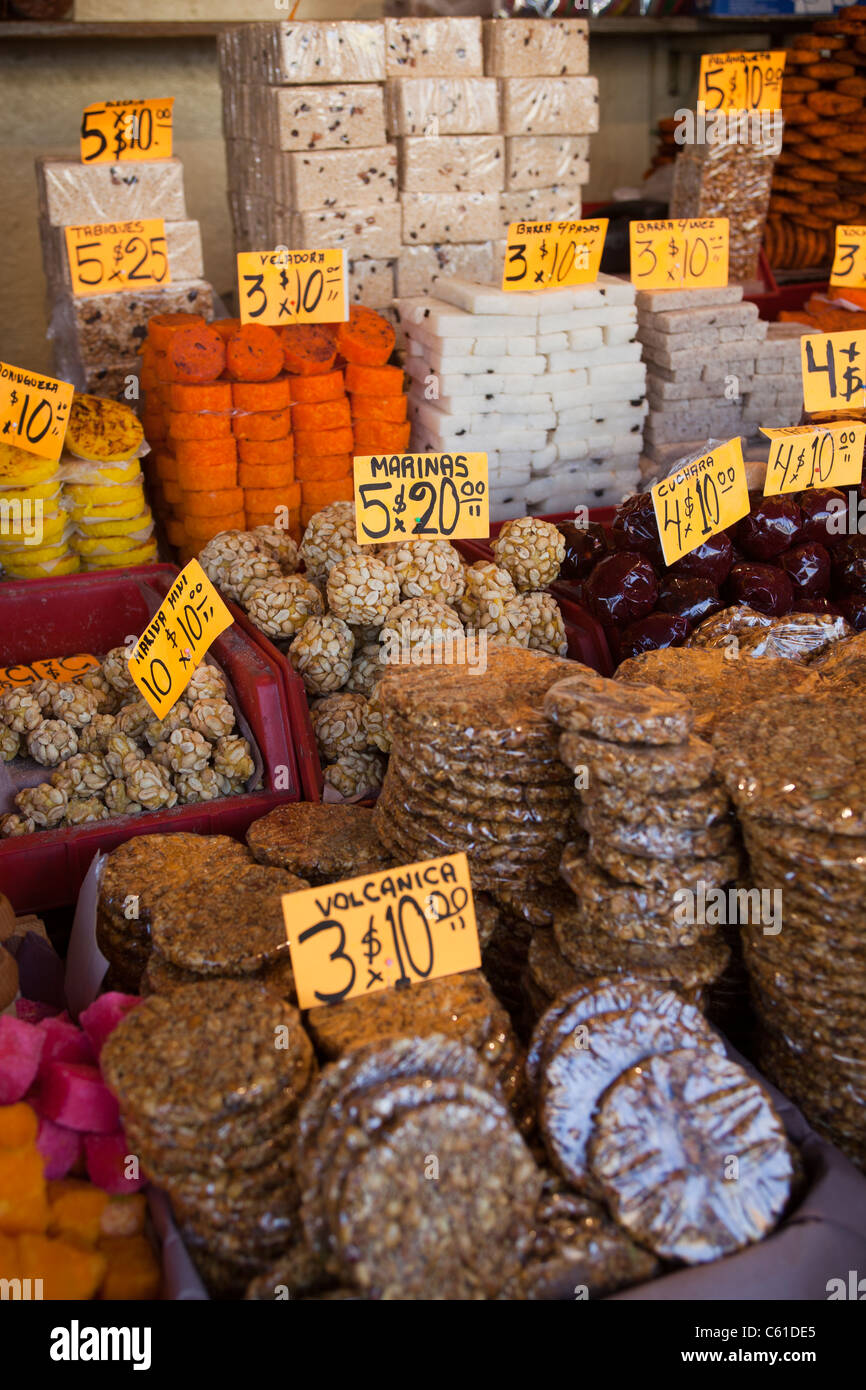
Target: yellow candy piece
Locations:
point(37, 556)
point(90, 498)
point(95, 515)
point(45, 492)
point(139, 555)
point(20, 469)
point(103, 430)
point(48, 533)
point(91, 474)
point(104, 545)
point(125, 526)
point(60, 566)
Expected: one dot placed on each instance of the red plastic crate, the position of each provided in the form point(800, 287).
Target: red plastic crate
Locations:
point(94, 612)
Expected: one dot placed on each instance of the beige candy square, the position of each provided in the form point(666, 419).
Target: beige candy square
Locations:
point(549, 105)
point(446, 47)
point(540, 205)
point(110, 326)
point(452, 164)
point(363, 231)
point(325, 118)
point(450, 217)
point(435, 106)
point(537, 161)
point(527, 48)
point(419, 266)
point(342, 178)
point(71, 193)
point(371, 282)
point(319, 51)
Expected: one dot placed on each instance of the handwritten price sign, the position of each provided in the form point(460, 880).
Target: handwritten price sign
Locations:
point(834, 371)
point(290, 287)
point(410, 496)
point(547, 255)
point(684, 254)
point(742, 81)
point(705, 495)
point(849, 262)
point(34, 411)
point(118, 130)
point(109, 257)
point(174, 642)
point(61, 669)
point(831, 456)
point(395, 927)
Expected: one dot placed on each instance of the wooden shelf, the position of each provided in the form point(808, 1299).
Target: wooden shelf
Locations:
point(695, 24)
point(30, 29)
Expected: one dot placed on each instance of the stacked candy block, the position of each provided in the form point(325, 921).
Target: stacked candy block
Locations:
point(549, 384)
point(34, 541)
point(103, 487)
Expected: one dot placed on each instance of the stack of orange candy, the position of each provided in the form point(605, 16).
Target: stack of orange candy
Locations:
point(245, 420)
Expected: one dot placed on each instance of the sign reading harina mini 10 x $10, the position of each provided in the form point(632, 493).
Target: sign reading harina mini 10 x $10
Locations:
point(192, 616)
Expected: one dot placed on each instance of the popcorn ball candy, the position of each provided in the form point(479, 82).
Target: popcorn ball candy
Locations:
point(206, 785)
point(362, 589)
point(427, 569)
point(10, 743)
point(220, 553)
point(546, 628)
point(531, 551)
point(44, 691)
point(375, 726)
point(44, 805)
point(322, 654)
point(190, 751)
point(488, 586)
point(118, 748)
point(177, 718)
point(338, 723)
point(134, 718)
point(410, 627)
point(75, 705)
point(246, 574)
point(12, 825)
point(233, 760)
point(81, 774)
point(329, 538)
point(93, 738)
point(85, 808)
point(212, 718)
point(277, 543)
point(118, 802)
point(367, 668)
point(20, 711)
point(160, 753)
point(356, 772)
point(150, 785)
point(511, 624)
point(364, 633)
point(96, 682)
point(280, 607)
point(206, 683)
point(115, 668)
point(51, 742)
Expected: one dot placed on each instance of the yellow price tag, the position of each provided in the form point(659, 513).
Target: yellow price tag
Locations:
point(553, 255)
point(192, 616)
point(421, 497)
point(834, 371)
point(397, 926)
point(117, 130)
point(706, 494)
point(684, 254)
point(823, 456)
point(111, 256)
point(849, 261)
point(290, 287)
point(34, 411)
point(742, 81)
point(61, 669)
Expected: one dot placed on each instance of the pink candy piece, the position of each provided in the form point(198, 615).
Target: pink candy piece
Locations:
point(65, 1043)
point(21, 1047)
point(32, 1010)
point(73, 1094)
point(103, 1015)
point(60, 1148)
point(107, 1158)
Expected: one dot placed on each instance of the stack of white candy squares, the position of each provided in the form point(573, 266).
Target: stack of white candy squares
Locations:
point(549, 384)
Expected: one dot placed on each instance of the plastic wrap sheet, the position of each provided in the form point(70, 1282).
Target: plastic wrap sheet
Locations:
point(448, 217)
point(798, 636)
point(525, 48)
point(419, 266)
point(537, 161)
point(447, 46)
point(729, 176)
point(549, 105)
point(90, 330)
point(71, 193)
point(319, 51)
point(371, 231)
point(452, 164)
point(183, 245)
point(434, 106)
point(322, 118)
point(341, 178)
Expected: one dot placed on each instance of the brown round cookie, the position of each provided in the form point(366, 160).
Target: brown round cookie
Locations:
point(686, 1114)
point(237, 931)
point(679, 968)
point(590, 704)
point(568, 1011)
point(668, 874)
point(573, 1078)
point(729, 622)
point(575, 1244)
point(629, 912)
point(657, 841)
point(459, 1237)
point(797, 761)
point(483, 781)
point(467, 769)
point(536, 906)
point(415, 839)
point(535, 807)
point(682, 767)
point(321, 842)
point(705, 806)
point(206, 1050)
point(416, 811)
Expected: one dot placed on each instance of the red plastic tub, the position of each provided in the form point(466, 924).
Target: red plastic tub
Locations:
point(94, 612)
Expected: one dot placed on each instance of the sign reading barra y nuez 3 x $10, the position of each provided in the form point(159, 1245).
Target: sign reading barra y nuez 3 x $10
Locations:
point(34, 411)
point(849, 261)
point(553, 255)
point(395, 927)
point(686, 253)
point(291, 287)
point(421, 497)
point(112, 131)
point(705, 495)
point(110, 256)
point(191, 617)
point(742, 81)
point(834, 371)
point(820, 456)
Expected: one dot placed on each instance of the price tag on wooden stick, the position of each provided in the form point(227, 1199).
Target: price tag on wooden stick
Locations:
point(34, 411)
point(421, 497)
point(192, 616)
point(686, 253)
point(389, 929)
point(112, 131)
point(705, 495)
point(292, 287)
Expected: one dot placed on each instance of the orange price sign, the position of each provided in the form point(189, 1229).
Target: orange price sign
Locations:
point(849, 261)
point(395, 927)
point(816, 456)
point(112, 256)
point(291, 287)
point(61, 669)
point(191, 617)
point(421, 497)
point(685, 253)
point(119, 130)
point(834, 371)
point(553, 255)
point(34, 411)
point(705, 495)
point(742, 81)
